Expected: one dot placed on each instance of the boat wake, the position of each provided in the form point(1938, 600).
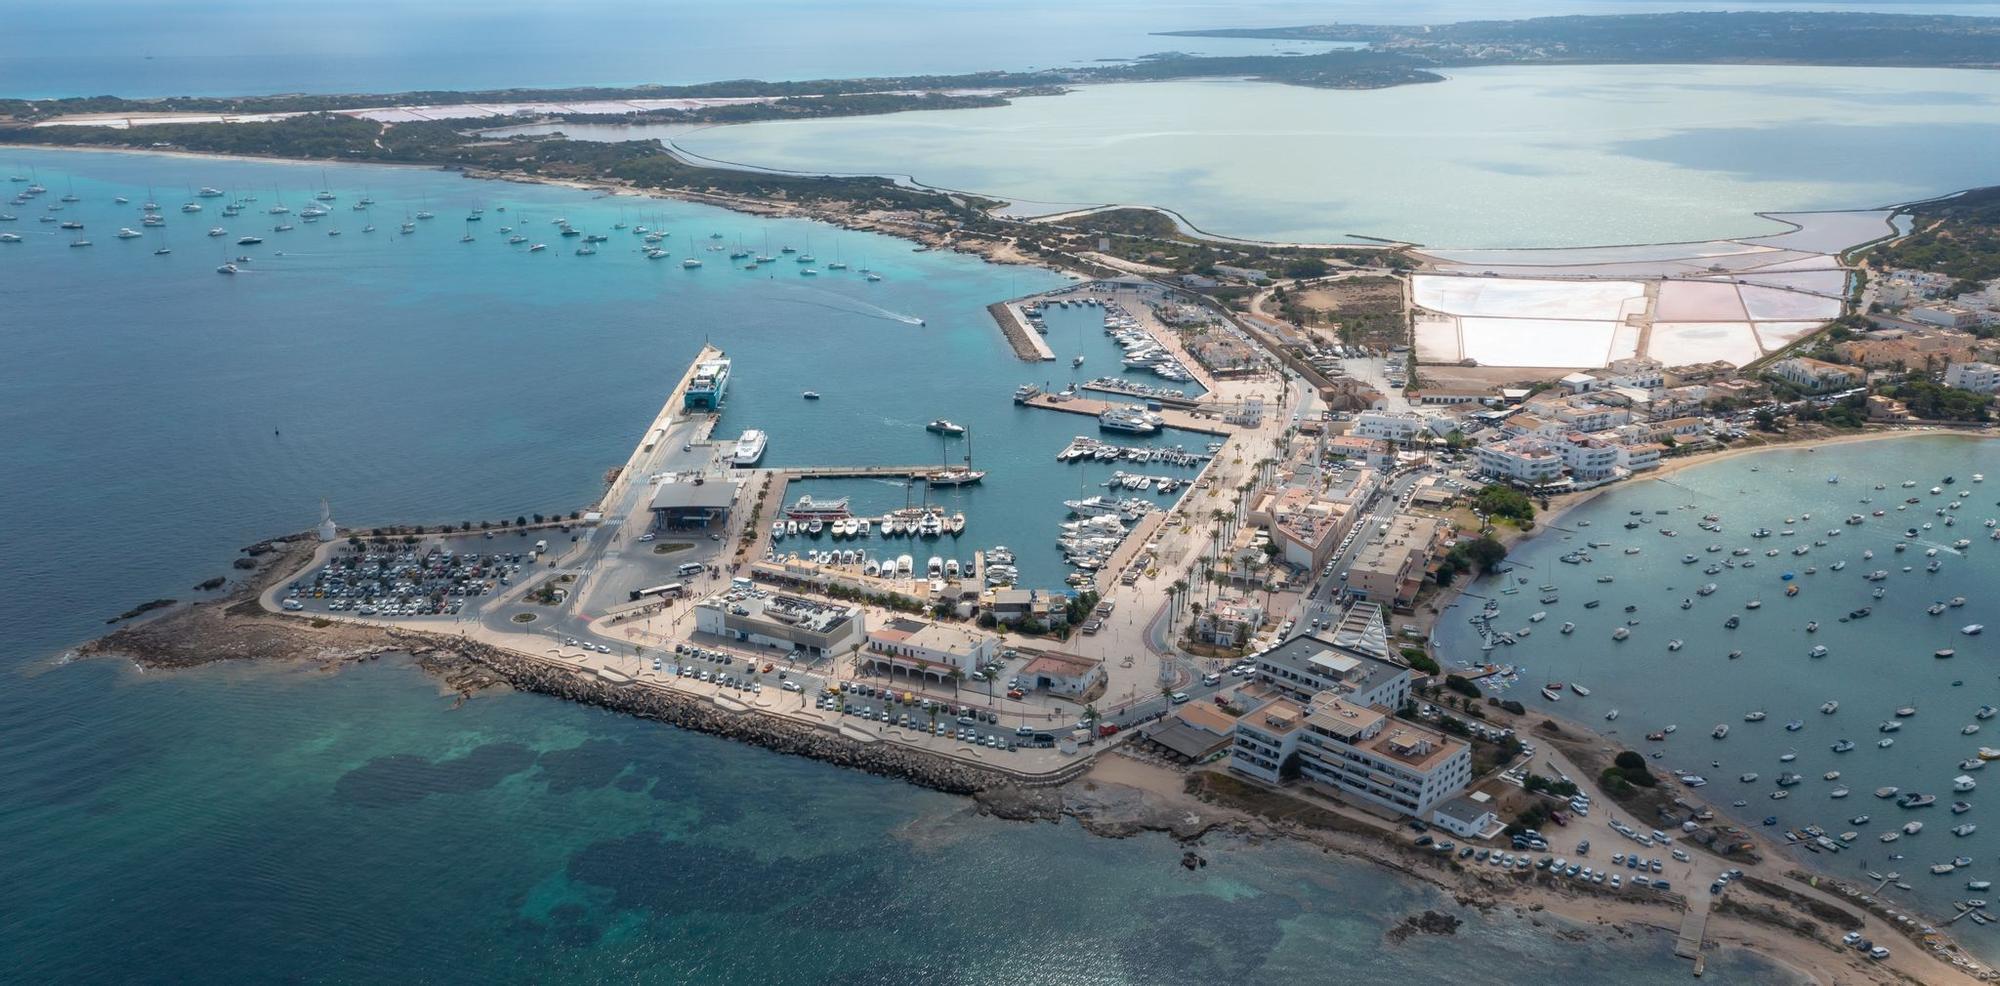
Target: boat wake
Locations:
point(852, 306)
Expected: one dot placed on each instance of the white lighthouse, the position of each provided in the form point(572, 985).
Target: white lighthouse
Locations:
point(326, 528)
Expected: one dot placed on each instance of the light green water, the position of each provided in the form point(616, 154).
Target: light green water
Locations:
point(1555, 156)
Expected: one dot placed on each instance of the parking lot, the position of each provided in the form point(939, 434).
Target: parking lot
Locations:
point(403, 580)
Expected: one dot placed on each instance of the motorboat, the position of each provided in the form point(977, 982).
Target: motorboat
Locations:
point(1843, 746)
point(1830, 707)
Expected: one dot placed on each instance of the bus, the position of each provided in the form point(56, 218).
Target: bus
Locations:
point(671, 590)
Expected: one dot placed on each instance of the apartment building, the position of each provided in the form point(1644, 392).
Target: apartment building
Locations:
point(1982, 378)
point(1360, 752)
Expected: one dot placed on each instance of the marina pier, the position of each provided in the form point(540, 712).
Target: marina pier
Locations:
point(1174, 418)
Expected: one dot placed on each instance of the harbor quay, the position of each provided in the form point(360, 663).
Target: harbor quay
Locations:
point(1259, 618)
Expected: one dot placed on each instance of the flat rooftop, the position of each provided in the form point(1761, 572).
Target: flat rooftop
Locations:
point(790, 610)
point(1321, 658)
point(715, 495)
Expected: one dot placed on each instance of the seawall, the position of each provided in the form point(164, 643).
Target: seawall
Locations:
point(772, 732)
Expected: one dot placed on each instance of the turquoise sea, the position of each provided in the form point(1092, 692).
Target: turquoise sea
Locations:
point(1874, 664)
point(263, 823)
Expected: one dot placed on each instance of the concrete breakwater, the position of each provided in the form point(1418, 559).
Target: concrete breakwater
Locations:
point(1027, 345)
point(701, 715)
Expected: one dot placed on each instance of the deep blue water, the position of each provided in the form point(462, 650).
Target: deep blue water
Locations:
point(247, 823)
point(1873, 665)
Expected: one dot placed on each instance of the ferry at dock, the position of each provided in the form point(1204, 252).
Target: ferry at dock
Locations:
point(706, 387)
point(749, 449)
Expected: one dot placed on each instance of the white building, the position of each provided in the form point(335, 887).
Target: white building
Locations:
point(1807, 373)
point(760, 618)
point(1360, 752)
point(1947, 316)
point(1400, 427)
point(1307, 665)
point(1588, 459)
point(1521, 460)
point(1468, 816)
point(923, 649)
point(1982, 378)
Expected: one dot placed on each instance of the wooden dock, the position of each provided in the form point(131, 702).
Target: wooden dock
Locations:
point(1182, 420)
point(1694, 929)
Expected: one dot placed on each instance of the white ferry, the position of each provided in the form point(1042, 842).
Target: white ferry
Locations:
point(749, 449)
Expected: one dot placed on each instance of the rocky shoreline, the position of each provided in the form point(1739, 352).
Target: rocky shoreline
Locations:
point(238, 628)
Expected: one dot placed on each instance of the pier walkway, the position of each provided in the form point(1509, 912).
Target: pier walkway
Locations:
point(1694, 929)
point(1183, 420)
point(855, 472)
point(655, 432)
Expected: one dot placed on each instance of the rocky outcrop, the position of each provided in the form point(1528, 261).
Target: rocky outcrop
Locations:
point(1427, 923)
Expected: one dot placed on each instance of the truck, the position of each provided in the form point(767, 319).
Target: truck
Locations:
point(542, 547)
point(1107, 729)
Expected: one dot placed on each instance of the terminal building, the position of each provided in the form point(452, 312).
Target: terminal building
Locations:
point(807, 628)
point(685, 505)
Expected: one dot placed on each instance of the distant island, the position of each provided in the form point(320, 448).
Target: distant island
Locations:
point(460, 131)
point(1735, 38)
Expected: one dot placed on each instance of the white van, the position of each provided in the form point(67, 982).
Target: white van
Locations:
point(692, 568)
